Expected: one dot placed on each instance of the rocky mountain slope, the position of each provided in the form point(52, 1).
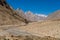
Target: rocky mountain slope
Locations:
point(29, 16)
point(33, 17)
point(54, 16)
point(21, 13)
point(9, 17)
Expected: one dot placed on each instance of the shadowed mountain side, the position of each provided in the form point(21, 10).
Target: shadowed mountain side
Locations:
point(3, 3)
point(8, 17)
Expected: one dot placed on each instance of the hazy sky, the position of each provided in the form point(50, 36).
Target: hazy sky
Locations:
point(36, 6)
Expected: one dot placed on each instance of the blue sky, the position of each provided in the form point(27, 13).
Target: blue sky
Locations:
point(36, 6)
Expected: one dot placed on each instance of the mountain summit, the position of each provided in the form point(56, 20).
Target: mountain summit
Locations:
point(34, 17)
point(30, 16)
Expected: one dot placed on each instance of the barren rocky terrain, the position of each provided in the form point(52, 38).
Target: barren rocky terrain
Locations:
point(15, 27)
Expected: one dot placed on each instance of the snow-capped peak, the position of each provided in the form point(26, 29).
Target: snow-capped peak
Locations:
point(41, 15)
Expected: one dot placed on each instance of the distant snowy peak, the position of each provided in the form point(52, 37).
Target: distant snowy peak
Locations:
point(34, 17)
point(30, 16)
point(41, 15)
point(19, 10)
point(31, 13)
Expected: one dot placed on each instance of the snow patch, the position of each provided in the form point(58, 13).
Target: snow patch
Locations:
point(41, 15)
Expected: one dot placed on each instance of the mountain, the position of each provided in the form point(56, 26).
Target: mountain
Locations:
point(54, 16)
point(21, 13)
point(9, 16)
point(13, 25)
point(34, 17)
point(29, 16)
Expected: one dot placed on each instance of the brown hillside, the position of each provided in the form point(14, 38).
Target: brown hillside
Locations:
point(54, 16)
point(8, 17)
